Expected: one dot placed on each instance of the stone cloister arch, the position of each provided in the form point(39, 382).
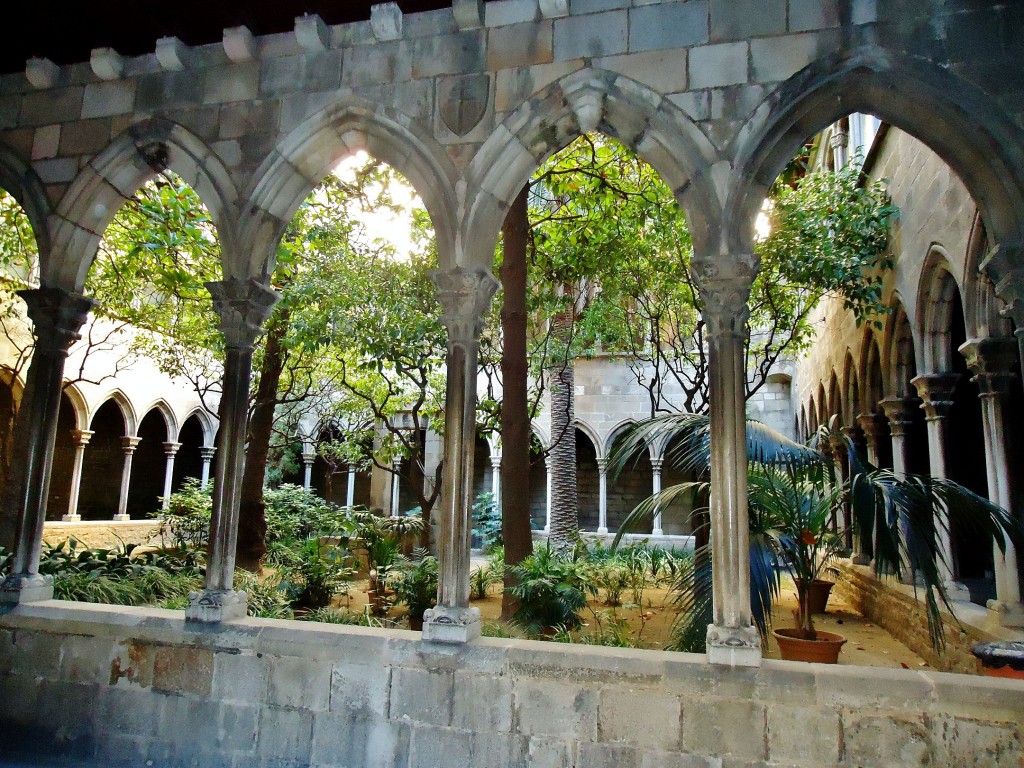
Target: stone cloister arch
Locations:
point(936, 292)
point(110, 178)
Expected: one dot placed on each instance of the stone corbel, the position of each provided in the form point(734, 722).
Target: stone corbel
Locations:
point(57, 317)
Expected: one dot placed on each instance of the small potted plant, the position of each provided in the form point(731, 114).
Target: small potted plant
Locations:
point(414, 582)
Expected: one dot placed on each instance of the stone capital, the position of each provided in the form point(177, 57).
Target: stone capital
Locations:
point(602, 465)
point(936, 392)
point(898, 410)
point(993, 363)
point(81, 437)
point(464, 294)
point(657, 465)
point(171, 449)
point(870, 424)
point(57, 316)
point(207, 451)
point(129, 444)
point(243, 307)
point(724, 288)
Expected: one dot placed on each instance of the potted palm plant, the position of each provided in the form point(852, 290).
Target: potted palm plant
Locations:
point(796, 495)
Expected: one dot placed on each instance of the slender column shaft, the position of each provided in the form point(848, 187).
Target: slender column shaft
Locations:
point(243, 306)
point(547, 476)
point(350, 496)
point(732, 638)
point(307, 471)
point(602, 497)
point(656, 467)
point(897, 411)
point(128, 444)
point(170, 450)
point(993, 363)
point(206, 453)
point(81, 438)
point(496, 480)
point(57, 316)
point(936, 391)
point(465, 295)
point(396, 483)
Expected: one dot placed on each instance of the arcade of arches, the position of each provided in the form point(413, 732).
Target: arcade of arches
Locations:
point(466, 102)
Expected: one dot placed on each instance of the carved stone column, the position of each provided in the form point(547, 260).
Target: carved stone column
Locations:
point(496, 480)
point(307, 470)
point(547, 476)
point(350, 495)
point(206, 453)
point(602, 495)
point(871, 426)
point(899, 412)
point(396, 483)
point(57, 317)
point(936, 391)
point(81, 439)
point(128, 445)
point(993, 362)
point(170, 451)
point(732, 638)
point(656, 467)
point(243, 307)
point(464, 294)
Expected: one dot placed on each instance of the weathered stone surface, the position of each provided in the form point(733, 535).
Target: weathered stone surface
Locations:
point(638, 716)
point(725, 727)
point(777, 58)
point(425, 696)
point(498, 13)
point(891, 736)
point(232, 82)
point(458, 54)
point(376, 64)
point(106, 99)
point(805, 15)
point(598, 34)
point(535, 700)
point(85, 137)
point(299, 683)
point(183, 670)
point(664, 71)
point(46, 142)
point(57, 105)
point(483, 704)
point(718, 65)
point(803, 734)
point(520, 45)
point(668, 25)
point(292, 737)
point(240, 677)
point(163, 90)
point(308, 72)
point(431, 747)
point(738, 19)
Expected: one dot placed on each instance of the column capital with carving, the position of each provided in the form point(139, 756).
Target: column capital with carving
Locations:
point(724, 287)
point(129, 444)
point(871, 425)
point(602, 465)
point(899, 412)
point(936, 392)
point(57, 316)
point(465, 295)
point(657, 464)
point(207, 451)
point(993, 361)
point(81, 437)
point(171, 448)
point(243, 306)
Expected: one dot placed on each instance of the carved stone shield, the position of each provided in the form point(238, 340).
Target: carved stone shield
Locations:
point(463, 102)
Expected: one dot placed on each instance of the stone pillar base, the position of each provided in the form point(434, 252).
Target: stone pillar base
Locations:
point(734, 646)
point(445, 624)
point(121, 518)
point(71, 519)
point(657, 532)
point(957, 591)
point(22, 588)
point(602, 531)
point(213, 605)
point(1010, 614)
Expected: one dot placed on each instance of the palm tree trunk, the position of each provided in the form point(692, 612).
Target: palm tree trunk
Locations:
point(565, 526)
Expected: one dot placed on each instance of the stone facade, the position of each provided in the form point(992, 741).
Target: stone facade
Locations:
point(135, 685)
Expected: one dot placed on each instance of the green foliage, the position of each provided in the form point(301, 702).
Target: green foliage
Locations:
point(266, 598)
point(187, 517)
point(121, 576)
point(551, 589)
point(487, 522)
point(296, 513)
point(414, 581)
point(314, 572)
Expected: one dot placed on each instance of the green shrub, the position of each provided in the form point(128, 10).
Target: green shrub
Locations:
point(294, 512)
point(316, 572)
point(414, 582)
point(187, 517)
point(550, 589)
point(487, 522)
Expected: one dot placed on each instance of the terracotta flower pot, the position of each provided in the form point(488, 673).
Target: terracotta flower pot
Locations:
point(824, 650)
point(817, 595)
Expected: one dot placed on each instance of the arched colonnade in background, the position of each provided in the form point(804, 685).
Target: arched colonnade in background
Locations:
point(716, 106)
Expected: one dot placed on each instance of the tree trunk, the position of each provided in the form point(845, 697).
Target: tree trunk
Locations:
point(565, 526)
point(515, 415)
point(252, 524)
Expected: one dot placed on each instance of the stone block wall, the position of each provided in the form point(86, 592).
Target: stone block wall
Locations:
point(123, 686)
point(104, 535)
